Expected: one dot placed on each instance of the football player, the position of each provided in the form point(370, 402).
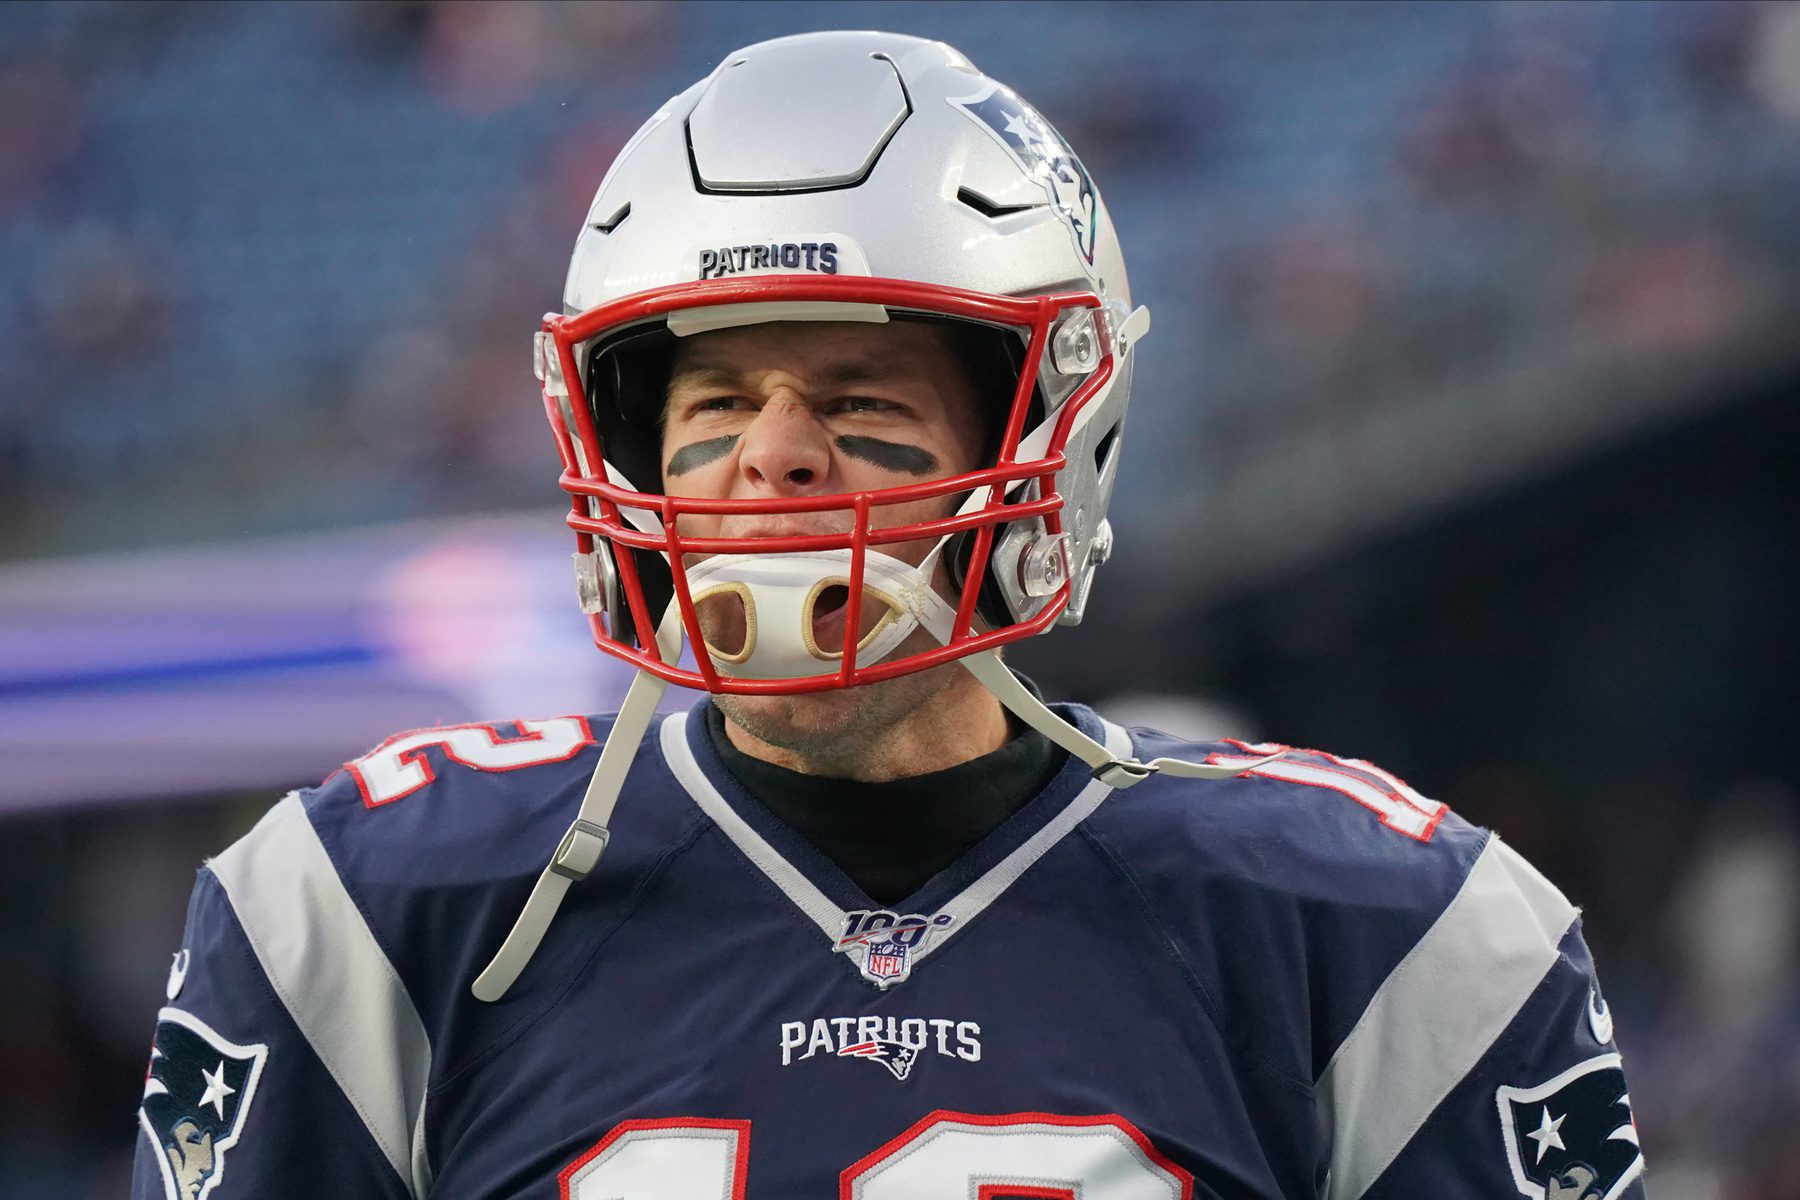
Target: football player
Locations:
point(838, 389)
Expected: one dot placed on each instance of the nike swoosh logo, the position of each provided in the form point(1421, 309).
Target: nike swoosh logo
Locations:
point(1599, 1017)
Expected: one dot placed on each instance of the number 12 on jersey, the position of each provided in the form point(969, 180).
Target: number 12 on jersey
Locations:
point(1014, 1156)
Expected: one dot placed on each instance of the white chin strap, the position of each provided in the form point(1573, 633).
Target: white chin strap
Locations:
point(587, 835)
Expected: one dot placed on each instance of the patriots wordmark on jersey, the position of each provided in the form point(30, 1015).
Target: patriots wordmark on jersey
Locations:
point(1303, 981)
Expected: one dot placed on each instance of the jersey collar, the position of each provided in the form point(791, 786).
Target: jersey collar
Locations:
point(824, 895)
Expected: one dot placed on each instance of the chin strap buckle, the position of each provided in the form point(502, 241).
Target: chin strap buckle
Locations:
point(579, 850)
point(1123, 772)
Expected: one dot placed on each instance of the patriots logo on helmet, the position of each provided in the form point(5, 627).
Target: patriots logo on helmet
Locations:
point(1043, 154)
point(897, 1057)
point(1572, 1137)
point(196, 1096)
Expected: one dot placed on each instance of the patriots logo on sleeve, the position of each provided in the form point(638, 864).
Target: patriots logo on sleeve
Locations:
point(1572, 1137)
point(196, 1096)
point(1042, 154)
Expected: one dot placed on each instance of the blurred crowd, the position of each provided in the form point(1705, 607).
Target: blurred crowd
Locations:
point(274, 267)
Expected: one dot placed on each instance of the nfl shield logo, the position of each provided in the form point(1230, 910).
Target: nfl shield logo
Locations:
point(882, 944)
point(887, 960)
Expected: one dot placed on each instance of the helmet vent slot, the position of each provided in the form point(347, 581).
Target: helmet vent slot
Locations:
point(988, 208)
point(1103, 448)
point(613, 222)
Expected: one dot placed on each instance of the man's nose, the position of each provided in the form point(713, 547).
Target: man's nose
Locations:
point(785, 449)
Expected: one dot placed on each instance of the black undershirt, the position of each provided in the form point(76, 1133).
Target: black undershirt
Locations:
point(891, 838)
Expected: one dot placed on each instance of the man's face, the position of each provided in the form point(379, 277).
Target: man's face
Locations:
point(190, 1158)
point(816, 408)
point(811, 409)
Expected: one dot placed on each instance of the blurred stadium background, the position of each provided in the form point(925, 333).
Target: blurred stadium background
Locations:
point(1465, 442)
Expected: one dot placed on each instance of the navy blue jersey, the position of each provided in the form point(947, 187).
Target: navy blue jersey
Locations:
point(1304, 981)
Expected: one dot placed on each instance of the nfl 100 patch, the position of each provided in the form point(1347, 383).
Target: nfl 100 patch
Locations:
point(885, 944)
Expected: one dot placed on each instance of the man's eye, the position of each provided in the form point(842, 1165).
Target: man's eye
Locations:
point(717, 404)
point(863, 404)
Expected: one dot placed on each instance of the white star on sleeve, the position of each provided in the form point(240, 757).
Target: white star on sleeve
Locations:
point(1545, 1134)
point(217, 1089)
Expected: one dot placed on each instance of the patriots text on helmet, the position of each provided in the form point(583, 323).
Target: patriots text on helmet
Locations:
point(769, 256)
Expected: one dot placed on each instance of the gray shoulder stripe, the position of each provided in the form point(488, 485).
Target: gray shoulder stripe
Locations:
point(1437, 1013)
point(322, 960)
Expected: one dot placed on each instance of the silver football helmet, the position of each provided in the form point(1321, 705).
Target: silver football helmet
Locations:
point(848, 176)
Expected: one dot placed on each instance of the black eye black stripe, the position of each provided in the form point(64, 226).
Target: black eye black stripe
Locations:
point(698, 454)
point(891, 455)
